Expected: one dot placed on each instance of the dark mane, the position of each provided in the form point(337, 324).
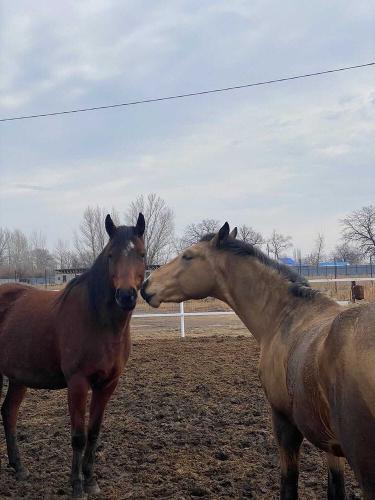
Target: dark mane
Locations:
point(299, 286)
point(96, 279)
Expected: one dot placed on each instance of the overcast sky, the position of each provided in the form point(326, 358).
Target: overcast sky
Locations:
point(295, 156)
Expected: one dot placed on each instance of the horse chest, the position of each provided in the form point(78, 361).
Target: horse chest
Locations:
point(105, 361)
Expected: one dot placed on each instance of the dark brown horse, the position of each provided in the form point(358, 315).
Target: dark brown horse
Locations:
point(77, 338)
point(317, 361)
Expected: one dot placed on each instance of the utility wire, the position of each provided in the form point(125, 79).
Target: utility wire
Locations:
point(191, 94)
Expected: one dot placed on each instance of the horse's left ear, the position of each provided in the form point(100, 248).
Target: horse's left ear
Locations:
point(221, 235)
point(233, 233)
point(140, 226)
point(110, 226)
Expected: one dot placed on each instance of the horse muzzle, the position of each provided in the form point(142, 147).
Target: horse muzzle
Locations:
point(149, 297)
point(126, 298)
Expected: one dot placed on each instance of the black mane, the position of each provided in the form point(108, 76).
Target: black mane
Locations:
point(100, 291)
point(299, 286)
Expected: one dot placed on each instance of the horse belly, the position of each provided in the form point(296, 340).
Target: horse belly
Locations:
point(315, 428)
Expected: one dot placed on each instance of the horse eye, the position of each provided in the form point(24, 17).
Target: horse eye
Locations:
point(187, 256)
point(110, 256)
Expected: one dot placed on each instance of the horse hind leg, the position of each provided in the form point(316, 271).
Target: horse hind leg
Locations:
point(336, 481)
point(9, 412)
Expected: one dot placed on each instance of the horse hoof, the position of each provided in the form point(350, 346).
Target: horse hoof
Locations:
point(22, 475)
point(92, 487)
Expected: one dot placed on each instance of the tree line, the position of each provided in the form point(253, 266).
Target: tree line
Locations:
point(27, 255)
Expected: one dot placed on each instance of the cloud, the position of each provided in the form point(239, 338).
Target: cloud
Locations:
point(273, 156)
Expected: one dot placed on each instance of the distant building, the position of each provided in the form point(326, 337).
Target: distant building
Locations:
point(65, 275)
point(288, 261)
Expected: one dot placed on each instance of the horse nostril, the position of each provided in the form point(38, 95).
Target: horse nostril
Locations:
point(126, 298)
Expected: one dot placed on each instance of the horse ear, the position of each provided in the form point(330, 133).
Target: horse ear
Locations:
point(110, 226)
point(221, 235)
point(140, 226)
point(233, 233)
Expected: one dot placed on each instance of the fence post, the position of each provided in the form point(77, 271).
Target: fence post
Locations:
point(182, 320)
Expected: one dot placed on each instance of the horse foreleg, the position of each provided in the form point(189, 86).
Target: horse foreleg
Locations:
point(336, 482)
point(9, 411)
point(99, 400)
point(289, 441)
point(77, 396)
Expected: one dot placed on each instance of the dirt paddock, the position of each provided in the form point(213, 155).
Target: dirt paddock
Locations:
point(189, 420)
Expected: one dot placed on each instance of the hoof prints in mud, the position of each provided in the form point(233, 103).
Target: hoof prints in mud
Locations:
point(188, 420)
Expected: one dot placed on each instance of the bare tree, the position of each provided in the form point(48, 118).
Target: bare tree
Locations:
point(249, 235)
point(63, 254)
point(37, 240)
point(40, 257)
point(4, 239)
point(316, 255)
point(359, 229)
point(159, 226)
point(344, 252)
point(18, 252)
point(91, 237)
point(194, 232)
point(278, 243)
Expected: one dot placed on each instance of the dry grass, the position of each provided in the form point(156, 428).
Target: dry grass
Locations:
point(341, 290)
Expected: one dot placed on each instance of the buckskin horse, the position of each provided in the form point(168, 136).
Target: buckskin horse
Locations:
point(77, 338)
point(317, 360)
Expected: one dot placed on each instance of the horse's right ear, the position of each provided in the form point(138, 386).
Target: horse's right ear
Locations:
point(221, 235)
point(110, 226)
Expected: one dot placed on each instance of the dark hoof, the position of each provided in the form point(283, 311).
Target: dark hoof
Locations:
point(22, 474)
point(92, 487)
point(78, 492)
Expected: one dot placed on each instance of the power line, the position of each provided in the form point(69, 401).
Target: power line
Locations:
point(190, 94)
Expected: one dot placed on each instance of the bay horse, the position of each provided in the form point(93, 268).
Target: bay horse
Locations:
point(77, 338)
point(317, 360)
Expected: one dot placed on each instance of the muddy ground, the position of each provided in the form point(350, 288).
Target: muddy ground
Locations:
point(189, 420)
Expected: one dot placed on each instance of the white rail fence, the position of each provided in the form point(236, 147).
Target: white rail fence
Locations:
point(182, 314)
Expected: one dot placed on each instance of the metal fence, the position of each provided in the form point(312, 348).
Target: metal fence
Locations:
point(352, 270)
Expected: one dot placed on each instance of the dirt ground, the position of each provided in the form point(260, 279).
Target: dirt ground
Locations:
point(188, 420)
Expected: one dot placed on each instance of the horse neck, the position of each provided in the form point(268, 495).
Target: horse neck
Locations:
point(260, 297)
